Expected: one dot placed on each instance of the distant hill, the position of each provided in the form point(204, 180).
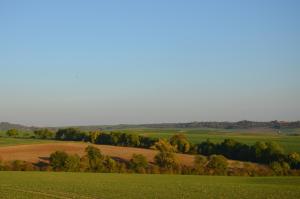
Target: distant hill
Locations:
point(220, 125)
point(4, 126)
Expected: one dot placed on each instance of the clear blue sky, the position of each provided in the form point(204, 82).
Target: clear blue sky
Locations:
point(107, 62)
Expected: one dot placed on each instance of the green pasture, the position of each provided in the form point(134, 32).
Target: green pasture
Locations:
point(42, 185)
point(290, 141)
point(5, 141)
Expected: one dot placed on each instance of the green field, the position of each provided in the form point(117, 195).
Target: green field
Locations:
point(96, 185)
point(4, 141)
point(287, 139)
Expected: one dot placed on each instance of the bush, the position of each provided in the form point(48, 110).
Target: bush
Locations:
point(217, 164)
point(181, 143)
point(138, 163)
point(207, 148)
point(19, 165)
point(280, 168)
point(93, 135)
point(58, 160)
point(72, 163)
point(44, 134)
point(166, 160)
point(294, 160)
point(95, 159)
point(12, 133)
point(164, 146)
point(200, 162)
point(71, 134)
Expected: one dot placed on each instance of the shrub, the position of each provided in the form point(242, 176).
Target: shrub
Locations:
point(19, 165)
point(180, 142)
point(294, 160)
point(44, 133)
point(71, 134)
point(72, 163)
point(217, 164)
point(200, 162)
point(166, 160)
point(95, 159)
point(58, 160)
point(93, 135)
point(138, 163)
point(12, 133)
point(280, 168)
point(164, 146)
point(110, 164)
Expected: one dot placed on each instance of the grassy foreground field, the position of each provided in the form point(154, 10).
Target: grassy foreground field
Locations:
point(39, 185)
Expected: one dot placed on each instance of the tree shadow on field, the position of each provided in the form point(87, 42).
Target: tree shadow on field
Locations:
point(118, 159)
point(42, 165)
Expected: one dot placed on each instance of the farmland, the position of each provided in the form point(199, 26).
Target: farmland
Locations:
point(289, 138)
point(39, 152)
point(95, 185)
point(4, 141)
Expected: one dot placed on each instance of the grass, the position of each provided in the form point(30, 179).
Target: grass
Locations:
point(290, 143)
point(37, 185)
point(5, 141)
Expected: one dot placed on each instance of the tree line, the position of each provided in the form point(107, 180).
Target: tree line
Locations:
point(269, 153)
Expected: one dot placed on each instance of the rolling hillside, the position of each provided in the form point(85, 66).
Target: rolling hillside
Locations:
point(40, 152)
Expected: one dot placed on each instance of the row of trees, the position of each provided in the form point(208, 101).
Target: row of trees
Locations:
point(261, 152)
point(94, 161)
point(164, 162)
point(98, 137)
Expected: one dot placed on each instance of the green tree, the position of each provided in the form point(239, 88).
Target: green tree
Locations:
point(200, 162)
point(166, 157)
point(294, 160)
point(19, 165)
point(280, 168)
point(110, 164)
point(72, 163)
point(132, 140)
point(138, 163)
point(180, 142)
point(218, 164)
point(44, 133)
point(95, 159)
point(276, 167)
point(164, 146)
point(58, 160)
point(94, 136)
point(12, 133)
point(73, 134)
point(166, 160)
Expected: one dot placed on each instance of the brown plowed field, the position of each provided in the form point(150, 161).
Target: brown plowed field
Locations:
point(37, 152)
point(40, 152)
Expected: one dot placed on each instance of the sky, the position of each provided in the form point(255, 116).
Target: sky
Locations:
point(71, 62)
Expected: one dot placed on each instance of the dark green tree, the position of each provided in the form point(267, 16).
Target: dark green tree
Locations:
point(138, 163)
point(58, 160)
point(95, 159)
point(180, 142)
point(12, 133)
